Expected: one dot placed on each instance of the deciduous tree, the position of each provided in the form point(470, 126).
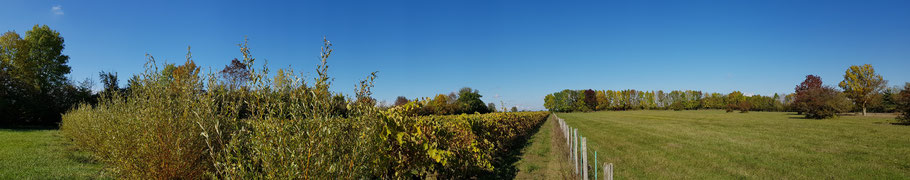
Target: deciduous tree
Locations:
point(34, 89)
point(590, 99)
point(235, 74)
point(861, 84)
point(825, 102)
point(470, 101)
point(109, 81)
point(799, 97)
point(401, 100)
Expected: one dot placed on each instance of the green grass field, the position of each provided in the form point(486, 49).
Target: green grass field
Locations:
point(712, 144)
point(42, 154)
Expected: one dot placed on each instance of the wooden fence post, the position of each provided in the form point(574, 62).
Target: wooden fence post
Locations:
point(608, 171)
point(575, 149)
point(584, 158)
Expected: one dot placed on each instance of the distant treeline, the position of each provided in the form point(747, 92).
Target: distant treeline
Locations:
point(599, 100)
point(862, 90)
point(465, 101)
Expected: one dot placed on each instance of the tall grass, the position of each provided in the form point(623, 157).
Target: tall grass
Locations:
point(176, 123)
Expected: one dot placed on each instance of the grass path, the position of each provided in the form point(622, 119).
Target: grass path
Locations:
point(41, 154)
point(713, 144)
point(545, 157)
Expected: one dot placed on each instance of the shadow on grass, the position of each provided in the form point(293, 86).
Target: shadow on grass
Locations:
point(27, 128)
point(808, 118)
point(505, 163)
point(901, 123)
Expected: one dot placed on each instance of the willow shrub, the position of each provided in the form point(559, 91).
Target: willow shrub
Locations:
point(176, 123)
point(150, 132)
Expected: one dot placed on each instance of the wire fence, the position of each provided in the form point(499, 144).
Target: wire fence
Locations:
point(578, 153)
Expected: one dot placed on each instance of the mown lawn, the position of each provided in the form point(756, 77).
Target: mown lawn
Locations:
point(712, 144)
point(42, 154)
point(545, 156)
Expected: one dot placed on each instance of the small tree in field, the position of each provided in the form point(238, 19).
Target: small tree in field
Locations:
point(903, 104)
point(861, 84)
point(744, 106)
point(825, 102)
point(801, 95)
point(514, 109)
point(734, 100)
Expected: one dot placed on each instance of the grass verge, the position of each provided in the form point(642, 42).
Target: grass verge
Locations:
point(545, 156)
point(42, 154)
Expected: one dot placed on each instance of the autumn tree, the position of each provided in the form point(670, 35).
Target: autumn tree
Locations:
point(800, 96)
point(861, 84)
point(590, 99)
point(824, 102)
point(737, 101)
point(442, 105)
point(602, 101)
point(236, 74)
point(401, 100)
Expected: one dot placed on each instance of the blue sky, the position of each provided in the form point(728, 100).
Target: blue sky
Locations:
point(512, 51)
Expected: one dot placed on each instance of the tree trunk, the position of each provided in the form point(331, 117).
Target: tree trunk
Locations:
point(864, 110)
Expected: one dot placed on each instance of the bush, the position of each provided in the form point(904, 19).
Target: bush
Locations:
point(152, 132)
point(744, 106)
point(678, 106)
point(903, 104)
point(455, 146)
point(824, 102)
point(175, 124)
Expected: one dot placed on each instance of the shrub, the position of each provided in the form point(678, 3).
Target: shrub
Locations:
point(903, 104)
point(824, 102)
point(153, 131)
point(744, 106)
point(677, 106)
point(175, 124)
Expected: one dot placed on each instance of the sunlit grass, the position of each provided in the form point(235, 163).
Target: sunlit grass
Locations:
point(716, 145)
point(42, 154)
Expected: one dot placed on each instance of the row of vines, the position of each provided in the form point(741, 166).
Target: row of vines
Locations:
point(177, 122)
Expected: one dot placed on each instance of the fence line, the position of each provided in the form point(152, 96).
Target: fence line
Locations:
point(578, 152)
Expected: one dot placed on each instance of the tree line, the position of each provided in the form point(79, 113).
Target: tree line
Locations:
point(599, 100)
point(465, 101)
point(862, 90)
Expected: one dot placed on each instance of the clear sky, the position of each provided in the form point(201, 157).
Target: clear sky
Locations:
point(512, 51)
